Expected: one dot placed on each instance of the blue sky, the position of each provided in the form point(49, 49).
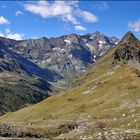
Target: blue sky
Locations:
point(34, 19)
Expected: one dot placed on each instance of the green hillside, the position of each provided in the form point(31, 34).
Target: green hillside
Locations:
point(103, 102)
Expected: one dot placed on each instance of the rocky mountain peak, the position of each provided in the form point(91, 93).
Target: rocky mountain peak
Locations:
point(97, 33)
point(129, 36)
point(72, 38)
point(44, 37)
point(128, 48)
point(73, 34)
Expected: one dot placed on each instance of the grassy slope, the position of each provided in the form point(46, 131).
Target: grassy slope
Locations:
point(105, 92)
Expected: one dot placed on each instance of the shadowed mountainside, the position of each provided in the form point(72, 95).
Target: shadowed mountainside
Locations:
point(19, 86)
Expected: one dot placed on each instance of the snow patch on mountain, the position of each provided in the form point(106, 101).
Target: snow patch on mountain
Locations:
point(67, 41)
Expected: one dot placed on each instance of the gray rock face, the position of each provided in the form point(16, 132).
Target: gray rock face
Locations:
point(67, 55)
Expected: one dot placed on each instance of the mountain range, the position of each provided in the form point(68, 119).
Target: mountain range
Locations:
point(31, 70)
point(67, 55)
point(103, 102)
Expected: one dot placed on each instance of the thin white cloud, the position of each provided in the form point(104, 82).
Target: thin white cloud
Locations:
point(8, 34)
point(134, 25)
point(87, 16)
point(3, 20)
point(80, 28)
point(68, 11)
point(57, 9)
point(16, 36)
point(18, 13)
point(1, 34)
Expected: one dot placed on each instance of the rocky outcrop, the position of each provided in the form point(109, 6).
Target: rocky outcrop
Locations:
point(128, 48)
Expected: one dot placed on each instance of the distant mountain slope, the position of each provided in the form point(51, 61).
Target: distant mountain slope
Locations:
point(104, 104)
point(67, 55)
point(19, 84)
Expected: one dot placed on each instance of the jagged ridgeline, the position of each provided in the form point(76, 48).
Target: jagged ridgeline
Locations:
point(67, 55)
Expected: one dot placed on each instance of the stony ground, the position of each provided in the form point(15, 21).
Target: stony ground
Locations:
point(74, 131)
